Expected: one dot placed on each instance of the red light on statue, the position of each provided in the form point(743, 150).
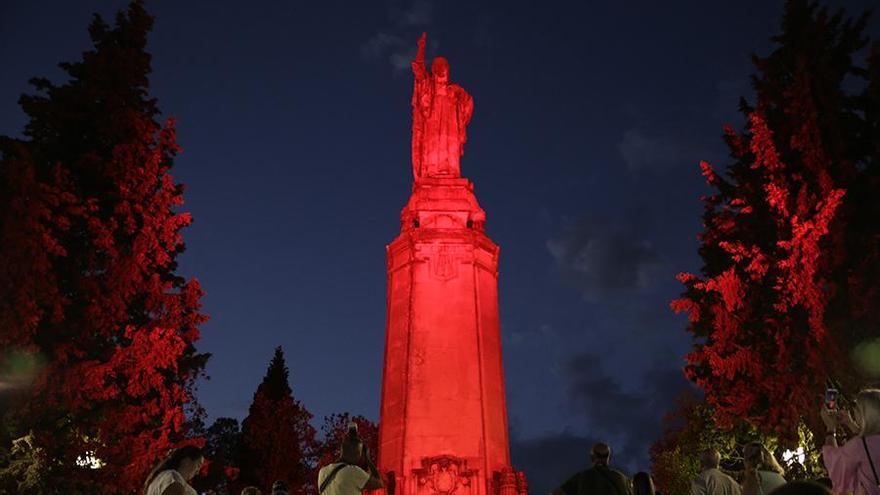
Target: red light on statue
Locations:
point(443, 420)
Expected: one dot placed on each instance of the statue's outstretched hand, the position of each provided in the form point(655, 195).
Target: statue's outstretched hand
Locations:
point(418, 64)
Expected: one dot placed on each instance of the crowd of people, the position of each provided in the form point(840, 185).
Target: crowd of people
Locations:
point(853, 466)
point(172, 475)
point(851, 456)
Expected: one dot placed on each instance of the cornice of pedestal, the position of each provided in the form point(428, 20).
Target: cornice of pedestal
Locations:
point(462, 245)
point(442, 203)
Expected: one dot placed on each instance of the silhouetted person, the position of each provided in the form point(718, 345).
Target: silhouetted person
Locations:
point(346, 476)
point(643, 484)
point(711, 481)
point(763, 474)
point(251, 490)
point(597, 480)
point(824, 481)
point(172, 475)
point(280, 488)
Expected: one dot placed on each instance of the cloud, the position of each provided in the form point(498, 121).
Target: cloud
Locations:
point(550, 460)
point(630, 420)
point(398, 51)
point(397, 44)
point(604, 260)
point(641, 150)
point(543, 333)
point(418, 13)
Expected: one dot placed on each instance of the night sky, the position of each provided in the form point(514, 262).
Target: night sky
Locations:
point(590, 120)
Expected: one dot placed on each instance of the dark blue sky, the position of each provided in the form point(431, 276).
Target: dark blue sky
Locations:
point(590, 119)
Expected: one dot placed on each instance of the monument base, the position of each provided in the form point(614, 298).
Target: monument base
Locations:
point(450, 475)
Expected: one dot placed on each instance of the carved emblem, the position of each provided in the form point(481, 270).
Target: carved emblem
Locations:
point(442, 264)
point(444, 475)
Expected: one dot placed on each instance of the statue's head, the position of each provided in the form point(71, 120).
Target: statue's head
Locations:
point(440, 69)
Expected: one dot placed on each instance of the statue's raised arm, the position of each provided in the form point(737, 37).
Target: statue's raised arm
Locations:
point(418, 64)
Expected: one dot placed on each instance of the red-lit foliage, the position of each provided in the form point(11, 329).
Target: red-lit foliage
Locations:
point(89, 234)
point(787, 245)
point(277, 441)
point(335, 428)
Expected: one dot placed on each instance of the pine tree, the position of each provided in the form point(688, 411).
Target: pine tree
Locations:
point(89, 235)
point(335, 428)
point(787, 240)
point(278, 443)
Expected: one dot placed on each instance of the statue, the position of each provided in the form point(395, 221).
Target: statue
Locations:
point(441, 112)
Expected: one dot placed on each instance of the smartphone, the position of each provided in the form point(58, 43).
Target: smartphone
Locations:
point(831, 398)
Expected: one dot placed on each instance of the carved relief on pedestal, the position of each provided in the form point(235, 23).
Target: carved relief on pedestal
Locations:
point(445, 475)
point(510, 482)
point(522, 485)
point(443, 260)
point(443, 264)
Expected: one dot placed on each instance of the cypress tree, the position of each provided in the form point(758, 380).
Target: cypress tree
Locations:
point(278, 443)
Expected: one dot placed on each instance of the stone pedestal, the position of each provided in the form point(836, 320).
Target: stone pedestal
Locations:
point(443, 420)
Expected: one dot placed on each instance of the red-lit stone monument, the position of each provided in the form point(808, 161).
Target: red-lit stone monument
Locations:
point(443, 420)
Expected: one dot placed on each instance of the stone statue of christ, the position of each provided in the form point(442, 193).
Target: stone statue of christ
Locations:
point(441, 112)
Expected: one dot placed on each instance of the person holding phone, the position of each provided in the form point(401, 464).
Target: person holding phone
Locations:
point(346, 476)
point(854, 466)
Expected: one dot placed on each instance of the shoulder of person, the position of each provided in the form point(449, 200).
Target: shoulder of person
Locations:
point(354, 467)
point(165, 478)
point(331, 466)
point(168, 481)
point(171, 474)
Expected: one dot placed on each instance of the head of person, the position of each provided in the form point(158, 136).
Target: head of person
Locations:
point(756, 456)
point(866, 412)
point(643, 484)
point(251, 490)
point(801, 488)
point(440, 69)
point(279, 488)
point(710, 459)
point(600, 454)
point(186, 460)
point(352, 450)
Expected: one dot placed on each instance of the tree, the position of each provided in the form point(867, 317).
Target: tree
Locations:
point(789, 251)
point(89, 236)
point(222, 442)
point(691, 429)
point(334, 430)
point(278, 443)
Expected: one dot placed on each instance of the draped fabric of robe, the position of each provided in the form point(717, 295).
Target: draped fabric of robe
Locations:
point(441, 113)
